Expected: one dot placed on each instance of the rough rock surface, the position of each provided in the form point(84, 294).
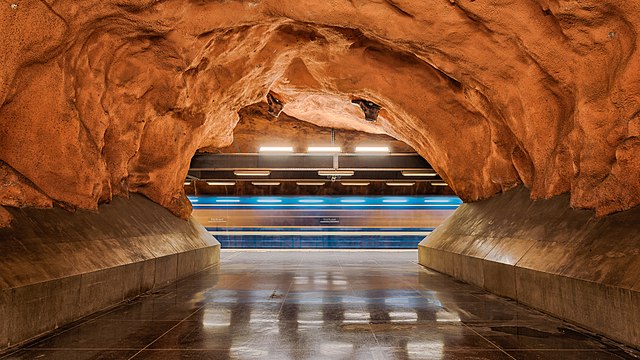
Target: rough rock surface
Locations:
point(257, 128)
point(104, 98)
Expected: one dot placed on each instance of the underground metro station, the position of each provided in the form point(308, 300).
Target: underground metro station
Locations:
point(346, 179)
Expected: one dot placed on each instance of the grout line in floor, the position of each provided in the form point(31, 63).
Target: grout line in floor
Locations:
point(489, 341)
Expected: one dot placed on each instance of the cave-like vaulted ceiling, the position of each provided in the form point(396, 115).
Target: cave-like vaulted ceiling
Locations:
point(103, 98)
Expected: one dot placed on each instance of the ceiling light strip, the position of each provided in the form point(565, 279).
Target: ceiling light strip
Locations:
point(401, 183)
point(252, 173)
point(276, 149)
point(221, 183)
point(372, 149)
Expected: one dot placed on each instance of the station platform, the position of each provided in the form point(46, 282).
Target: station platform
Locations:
point(265, 304)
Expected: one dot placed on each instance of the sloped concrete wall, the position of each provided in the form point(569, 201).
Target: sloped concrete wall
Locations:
point(57, 266)
point(544, 254)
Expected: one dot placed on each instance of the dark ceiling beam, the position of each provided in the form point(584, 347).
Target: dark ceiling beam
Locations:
point(287, 175)
point(305, 162)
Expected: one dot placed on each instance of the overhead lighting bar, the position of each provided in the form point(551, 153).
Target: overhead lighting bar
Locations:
point(401, 183)
point(187, 183)
point(276, 149)
point(252, 173)
point(355, 183)
point(372, 149)
point(394, 200)
point(310, 201)
point(353, 201)
point(439, 184)
point(227, 200)
point(269, 201)
point(324, 149)
point(221, 183)
point(437, 201)
point(418, 173)
point(265, 183)
point(336, 172)
point(315, 183)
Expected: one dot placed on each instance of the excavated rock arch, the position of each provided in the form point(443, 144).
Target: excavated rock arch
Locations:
point(103, 98)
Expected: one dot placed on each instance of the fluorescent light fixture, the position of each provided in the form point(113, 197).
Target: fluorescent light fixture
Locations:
point(269, 201)
point(437, 200)
point(227, 200)
point(401, 183)
point(355, 183)
point(221, 183)
point(372, 149)
point(252, 173)
point(310, 183)
point(265, 183)
point(193, 200)
point(187, 183)
point(418, 173)
point(439, 184)
point(353, 201)
point(310, 201)
point(277, 149)
point(324, 149)
point(394, 200)
point(336, 172)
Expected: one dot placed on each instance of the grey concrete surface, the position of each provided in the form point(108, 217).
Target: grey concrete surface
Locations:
point(59, 266)
point(544, 254)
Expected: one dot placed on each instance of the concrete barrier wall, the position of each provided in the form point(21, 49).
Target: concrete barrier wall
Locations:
point(546, 255)
point(57, 266)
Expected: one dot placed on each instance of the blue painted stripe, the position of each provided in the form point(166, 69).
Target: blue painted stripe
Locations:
point(319, 242)
point(314, 229)
point(351, 202)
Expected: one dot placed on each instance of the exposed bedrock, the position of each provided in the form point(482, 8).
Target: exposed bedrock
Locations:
point(105, 98)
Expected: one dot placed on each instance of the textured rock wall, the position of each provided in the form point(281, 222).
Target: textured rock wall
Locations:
point(257, 128)
point(104, 98)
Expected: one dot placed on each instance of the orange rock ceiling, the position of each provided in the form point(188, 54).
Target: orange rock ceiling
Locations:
point(104, 98)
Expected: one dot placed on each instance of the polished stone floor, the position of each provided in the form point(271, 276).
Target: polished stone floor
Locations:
point(321, 305)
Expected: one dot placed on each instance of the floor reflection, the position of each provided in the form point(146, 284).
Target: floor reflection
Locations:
point(321, 305)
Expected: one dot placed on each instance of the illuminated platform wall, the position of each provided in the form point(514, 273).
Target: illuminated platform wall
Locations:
point(335, 222)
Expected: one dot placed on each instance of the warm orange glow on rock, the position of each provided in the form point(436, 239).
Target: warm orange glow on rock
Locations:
point(104, 98)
